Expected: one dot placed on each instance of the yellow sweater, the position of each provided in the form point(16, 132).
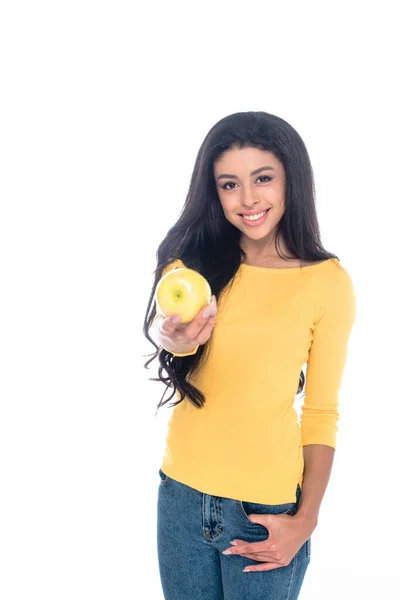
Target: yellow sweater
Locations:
point(246, 442)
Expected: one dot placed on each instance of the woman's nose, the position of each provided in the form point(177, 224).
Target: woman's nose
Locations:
point(249, 201)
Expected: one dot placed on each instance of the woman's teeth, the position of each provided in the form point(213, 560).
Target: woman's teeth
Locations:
point(254, 217)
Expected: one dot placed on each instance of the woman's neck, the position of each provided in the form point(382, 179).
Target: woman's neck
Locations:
point(262, 253)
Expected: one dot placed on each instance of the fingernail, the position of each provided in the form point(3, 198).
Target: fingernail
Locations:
point(207, 312)
point(176, 319)
point(234, 543)
point(227, 552)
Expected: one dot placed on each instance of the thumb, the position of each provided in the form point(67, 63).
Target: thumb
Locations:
point(260, 519)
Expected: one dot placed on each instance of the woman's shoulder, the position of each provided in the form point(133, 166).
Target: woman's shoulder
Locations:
point(334, 270)
point(334, 283)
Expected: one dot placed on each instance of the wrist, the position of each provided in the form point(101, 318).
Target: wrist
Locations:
point(186, 352)
point(308, 521)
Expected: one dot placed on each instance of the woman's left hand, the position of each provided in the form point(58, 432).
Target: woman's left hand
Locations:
point(287, 534)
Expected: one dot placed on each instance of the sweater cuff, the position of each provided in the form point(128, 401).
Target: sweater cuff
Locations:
point(186, 353)
point(327, 438)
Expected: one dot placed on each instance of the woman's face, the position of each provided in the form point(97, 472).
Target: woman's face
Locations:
point(251, 183)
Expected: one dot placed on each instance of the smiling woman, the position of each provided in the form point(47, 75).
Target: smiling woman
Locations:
point(241, 481)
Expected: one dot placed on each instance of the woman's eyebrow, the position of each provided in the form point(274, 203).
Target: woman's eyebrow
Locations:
point(227, 176)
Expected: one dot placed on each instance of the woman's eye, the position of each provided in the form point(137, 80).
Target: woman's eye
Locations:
point(265, 177)
point(228, 183)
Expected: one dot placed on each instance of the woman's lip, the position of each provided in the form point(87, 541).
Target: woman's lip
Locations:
point(259, 221)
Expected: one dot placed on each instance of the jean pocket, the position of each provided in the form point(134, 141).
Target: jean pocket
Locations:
point(164, 479)
point(249, 508)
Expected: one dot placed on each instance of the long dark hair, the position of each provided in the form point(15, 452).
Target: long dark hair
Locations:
point(206, 241)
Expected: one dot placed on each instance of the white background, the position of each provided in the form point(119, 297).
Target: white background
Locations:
point(103, 108)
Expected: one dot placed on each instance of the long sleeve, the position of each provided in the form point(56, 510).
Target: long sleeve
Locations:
point(326, 361)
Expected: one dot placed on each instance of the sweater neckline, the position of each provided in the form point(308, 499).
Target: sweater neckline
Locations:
point(290, 269)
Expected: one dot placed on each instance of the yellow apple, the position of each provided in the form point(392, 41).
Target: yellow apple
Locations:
point(182, 292)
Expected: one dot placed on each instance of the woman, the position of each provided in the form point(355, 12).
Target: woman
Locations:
point(242, 481)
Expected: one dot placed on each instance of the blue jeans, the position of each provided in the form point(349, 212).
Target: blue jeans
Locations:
point(192, 531)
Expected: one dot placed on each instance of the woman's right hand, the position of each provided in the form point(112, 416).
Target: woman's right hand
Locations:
point(181, 338)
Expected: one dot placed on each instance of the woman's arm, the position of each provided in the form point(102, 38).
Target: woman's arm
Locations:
point(318, 460)
point(320, 412)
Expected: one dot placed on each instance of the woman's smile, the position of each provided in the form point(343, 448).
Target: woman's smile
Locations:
point(254, 220)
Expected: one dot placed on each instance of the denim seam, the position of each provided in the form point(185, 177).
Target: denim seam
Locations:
point(203, 514)
point(294, 560)
point(218, 507)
